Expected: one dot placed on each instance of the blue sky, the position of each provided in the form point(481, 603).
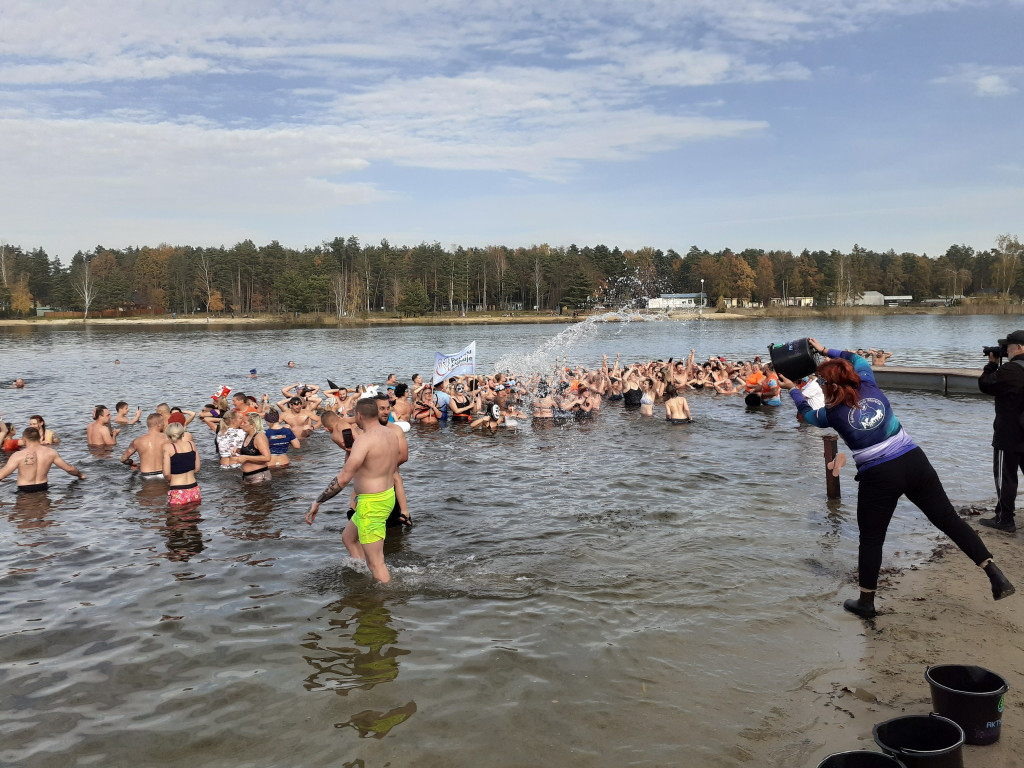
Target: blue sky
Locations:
point(739, 123)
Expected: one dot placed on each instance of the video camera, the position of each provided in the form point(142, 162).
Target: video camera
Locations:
point(997, 350)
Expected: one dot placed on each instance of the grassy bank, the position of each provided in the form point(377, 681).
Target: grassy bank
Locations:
point(506, 318)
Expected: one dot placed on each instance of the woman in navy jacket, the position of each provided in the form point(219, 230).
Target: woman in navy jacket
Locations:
point(889, 465)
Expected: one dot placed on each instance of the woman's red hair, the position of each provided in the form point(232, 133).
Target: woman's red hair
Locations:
point(841, 382)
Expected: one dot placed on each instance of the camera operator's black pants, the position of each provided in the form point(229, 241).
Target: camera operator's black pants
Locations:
point(1004, 466)
point(882, 486)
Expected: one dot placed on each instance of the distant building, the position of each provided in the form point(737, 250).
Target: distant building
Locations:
point(668, 301)
point(870, 299)
point(793, 301)
point(898, 301)
point(730, 303)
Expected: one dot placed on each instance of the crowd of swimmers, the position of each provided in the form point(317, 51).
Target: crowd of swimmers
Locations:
point(254, 435)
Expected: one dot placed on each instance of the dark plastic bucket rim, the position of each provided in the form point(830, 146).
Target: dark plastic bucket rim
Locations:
point(919, 752)
point(895, 760)
point(997, 692)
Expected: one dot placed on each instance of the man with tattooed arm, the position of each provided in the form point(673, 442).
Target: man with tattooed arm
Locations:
point(372, 464)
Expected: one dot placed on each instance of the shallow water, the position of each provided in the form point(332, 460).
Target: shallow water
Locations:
point(614, 591)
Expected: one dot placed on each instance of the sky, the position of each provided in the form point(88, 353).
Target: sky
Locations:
point(719, 123)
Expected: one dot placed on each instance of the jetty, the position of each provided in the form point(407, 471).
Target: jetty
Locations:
point(948, 381)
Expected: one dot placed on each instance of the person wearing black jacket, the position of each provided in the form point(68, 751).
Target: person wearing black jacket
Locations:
point(1006, 383)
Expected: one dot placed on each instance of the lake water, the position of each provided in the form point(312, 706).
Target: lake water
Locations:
point(610, 592)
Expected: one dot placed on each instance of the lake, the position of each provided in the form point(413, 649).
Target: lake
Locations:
point(608, 592)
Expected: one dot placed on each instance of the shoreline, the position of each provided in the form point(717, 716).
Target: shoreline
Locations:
point(938, 612)
point(507, 318)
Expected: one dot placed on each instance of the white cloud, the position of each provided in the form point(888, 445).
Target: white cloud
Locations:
point(985, 80)
point(244, 111)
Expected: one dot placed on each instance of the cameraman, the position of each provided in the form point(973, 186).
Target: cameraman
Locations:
point(1006, 382)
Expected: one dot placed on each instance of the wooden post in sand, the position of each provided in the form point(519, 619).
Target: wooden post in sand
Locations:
point(831, 480)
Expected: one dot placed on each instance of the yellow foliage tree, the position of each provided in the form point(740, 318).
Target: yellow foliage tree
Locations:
point(216, 301)
point(21, 298)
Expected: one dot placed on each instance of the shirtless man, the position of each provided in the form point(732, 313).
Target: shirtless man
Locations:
point(122, 414)
point(372, 465)
point(297, 416)
point(877, 357)
point(383, 416)
point(98, 433)
point(150, 448)
point(33, 462)
point(336, 425)
point(18, 384)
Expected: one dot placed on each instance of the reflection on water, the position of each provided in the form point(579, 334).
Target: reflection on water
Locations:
point(378, 724)
point(184, 539)
point(356, 650)
point(31, 511)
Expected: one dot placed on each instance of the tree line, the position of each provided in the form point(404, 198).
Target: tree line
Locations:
point(346, 277)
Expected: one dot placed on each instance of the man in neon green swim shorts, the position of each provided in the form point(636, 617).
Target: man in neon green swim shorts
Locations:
point(372, 464)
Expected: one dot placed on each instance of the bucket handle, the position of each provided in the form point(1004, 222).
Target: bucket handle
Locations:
point(912, 753)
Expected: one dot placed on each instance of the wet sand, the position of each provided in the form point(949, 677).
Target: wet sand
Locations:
point(940, 612)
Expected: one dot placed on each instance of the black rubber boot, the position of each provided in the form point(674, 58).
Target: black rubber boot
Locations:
point(1001, 586)
point(864, 606)
point(1006, 526)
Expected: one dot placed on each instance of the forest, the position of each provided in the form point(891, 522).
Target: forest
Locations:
point(346, 277)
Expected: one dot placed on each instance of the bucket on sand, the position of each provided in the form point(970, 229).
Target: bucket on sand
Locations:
point(794, 360)
point(972, 697)
point(922, 741)
point(860, 759)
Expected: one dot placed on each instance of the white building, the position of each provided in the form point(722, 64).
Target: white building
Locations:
point(870, 299)
point(669, 301)
point(794, 301)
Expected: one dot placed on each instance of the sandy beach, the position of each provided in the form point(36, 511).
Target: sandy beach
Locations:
point(940, 612)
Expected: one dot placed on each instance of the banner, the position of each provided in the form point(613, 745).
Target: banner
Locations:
point(460, 364)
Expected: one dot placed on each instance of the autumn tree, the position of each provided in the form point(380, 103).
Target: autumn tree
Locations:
point(21, 296)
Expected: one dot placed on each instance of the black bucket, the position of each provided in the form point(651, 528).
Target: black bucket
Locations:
point(794, 360)
point(861, 759)
point(972, 697)
point(922, 741)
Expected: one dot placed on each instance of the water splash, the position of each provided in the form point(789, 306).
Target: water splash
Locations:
point(552, 355)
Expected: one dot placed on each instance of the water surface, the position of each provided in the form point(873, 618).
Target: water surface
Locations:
point(611, 592)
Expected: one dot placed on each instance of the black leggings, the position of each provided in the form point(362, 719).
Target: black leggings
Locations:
point(882, 486)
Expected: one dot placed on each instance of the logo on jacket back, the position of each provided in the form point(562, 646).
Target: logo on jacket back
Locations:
point(869, 413)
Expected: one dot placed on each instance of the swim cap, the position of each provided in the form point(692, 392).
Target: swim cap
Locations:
point(176, 418)
point(252, 370)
